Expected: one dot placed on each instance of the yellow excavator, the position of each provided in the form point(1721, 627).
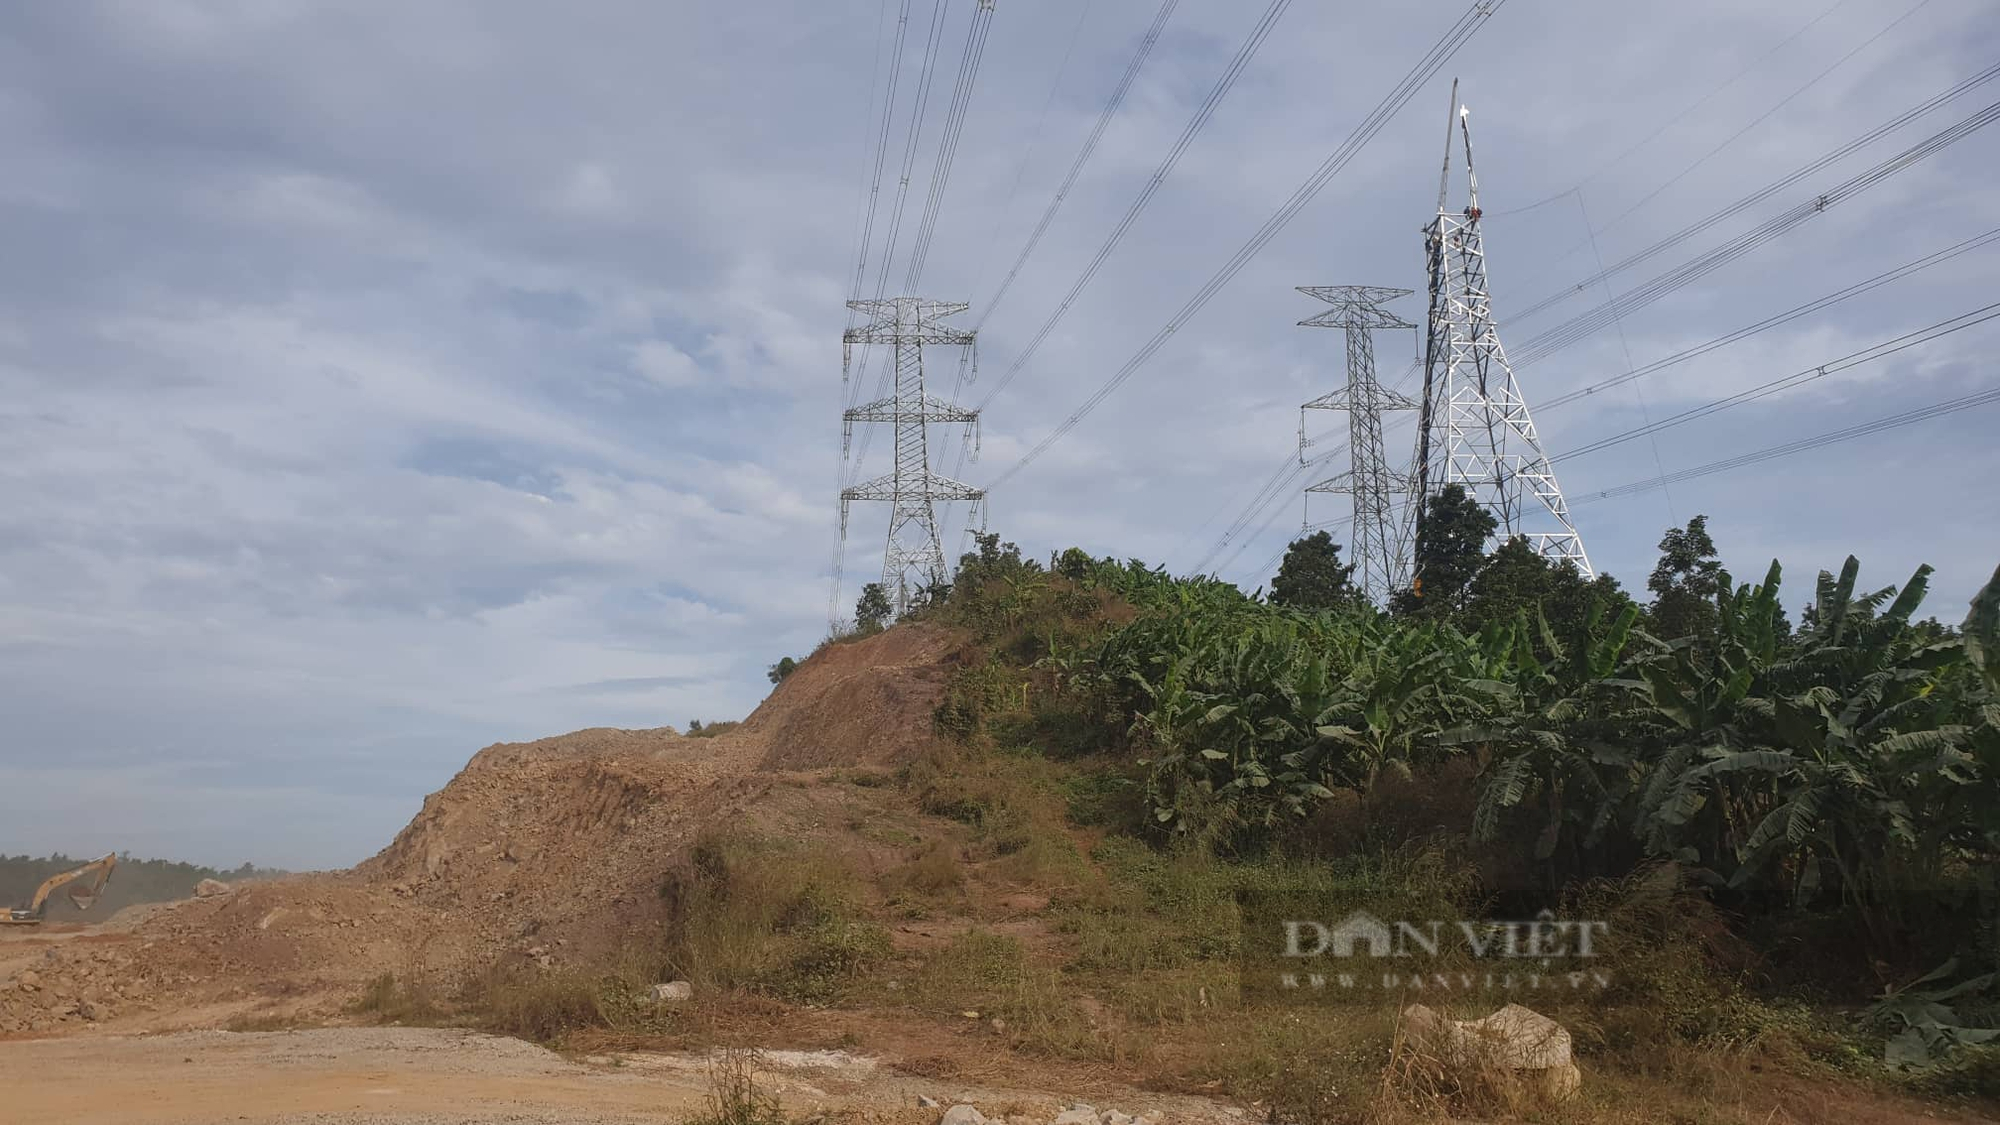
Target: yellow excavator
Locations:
point(98, 871)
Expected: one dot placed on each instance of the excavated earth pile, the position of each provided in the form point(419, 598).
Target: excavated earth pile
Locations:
point(543, 849)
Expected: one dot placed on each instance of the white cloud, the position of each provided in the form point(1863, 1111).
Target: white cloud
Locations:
point(380, 381)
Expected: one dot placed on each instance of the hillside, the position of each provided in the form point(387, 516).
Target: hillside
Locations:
point(1011, 841)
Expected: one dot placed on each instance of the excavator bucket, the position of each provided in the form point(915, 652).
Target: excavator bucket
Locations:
point(83, 898)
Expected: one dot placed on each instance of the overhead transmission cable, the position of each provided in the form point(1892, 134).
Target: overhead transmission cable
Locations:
point(1638, 297)
point(1803, 445)
point(1789, 315)
point(954, 127)
point(1111, 106)
point(1789, 382)
point(1426, 67)
point(1202, 114)
point(1761, 194)
point(1670, 123)
point(861, 254)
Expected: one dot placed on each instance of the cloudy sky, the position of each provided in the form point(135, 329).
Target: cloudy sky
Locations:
point(378, 381)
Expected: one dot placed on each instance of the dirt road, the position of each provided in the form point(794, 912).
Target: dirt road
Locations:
point(335, 1075)
point(435, 1076)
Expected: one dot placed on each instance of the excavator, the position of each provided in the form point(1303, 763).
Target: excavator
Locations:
point(97, 870)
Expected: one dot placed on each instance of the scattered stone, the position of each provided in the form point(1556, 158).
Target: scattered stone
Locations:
point(538, 951)
point(962, 1114)
point(674, 990)
point(1078, 1114)
point(210, 888)
point(87, 1010)
point(1114, 1117)
point(28, 981)
point(925, 1101)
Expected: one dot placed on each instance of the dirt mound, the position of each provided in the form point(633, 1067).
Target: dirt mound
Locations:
point(547, 850)
point(867, 702)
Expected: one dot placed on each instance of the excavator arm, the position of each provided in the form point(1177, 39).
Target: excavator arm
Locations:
point(97, 870)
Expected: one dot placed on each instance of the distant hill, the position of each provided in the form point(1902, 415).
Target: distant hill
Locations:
point(135, 881)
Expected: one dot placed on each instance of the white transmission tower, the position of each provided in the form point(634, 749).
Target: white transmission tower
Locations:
point(1475, 430)
point(1379, 556)
point(907, 324)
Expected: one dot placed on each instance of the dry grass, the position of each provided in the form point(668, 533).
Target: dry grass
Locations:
point(408, 999)
point(734, 1098)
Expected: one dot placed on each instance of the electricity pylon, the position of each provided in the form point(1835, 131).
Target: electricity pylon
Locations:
point(1475, 430)
point(1378, 547)
point(907, 324)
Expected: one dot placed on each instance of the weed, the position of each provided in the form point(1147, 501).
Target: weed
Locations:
point(933, 872)
point(392, 999)
point(768, 916)
point(734, 1097)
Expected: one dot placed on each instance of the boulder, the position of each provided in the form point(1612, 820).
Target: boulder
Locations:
point(674, 990)
point(1515, 1040)
point(210, 888)
point(962, 1114)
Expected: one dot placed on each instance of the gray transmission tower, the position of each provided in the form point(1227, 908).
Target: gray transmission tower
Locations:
point(1379, 552)
point(907, 324)
point(1475, 430)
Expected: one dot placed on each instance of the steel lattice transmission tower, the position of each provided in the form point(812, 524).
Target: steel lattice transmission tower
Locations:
point(1378, 547)
point(907, 324)
point(1475, 429)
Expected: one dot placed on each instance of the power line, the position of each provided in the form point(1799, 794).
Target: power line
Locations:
point(1819, 441)
point(1811, 374)
point(1767, 191)
point(1669, 123)
point(1201, 117)
point(861, 258)
point(1786, 317)
point(954, 127)
point(1083, 155)
point(1765, 116)
point(1587, 323)
point(1433, 61)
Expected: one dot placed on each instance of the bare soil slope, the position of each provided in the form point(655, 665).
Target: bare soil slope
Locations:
point(542, 849)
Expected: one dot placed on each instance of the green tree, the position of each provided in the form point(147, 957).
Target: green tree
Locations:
point(1313, 577)
point(1684, 583)
point(1517, 578)
point(777, 672)
point(1451, 550)
point(872, 611)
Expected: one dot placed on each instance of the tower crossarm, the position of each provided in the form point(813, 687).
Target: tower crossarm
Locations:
point(931, 486)
point(889, 410)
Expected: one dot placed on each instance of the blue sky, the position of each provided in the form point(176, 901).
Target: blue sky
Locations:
point(380, 381)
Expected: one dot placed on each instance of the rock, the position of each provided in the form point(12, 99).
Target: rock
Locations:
point(211, 888)
point(538, 951)
point(925, 1101)
point(1152, 1117)
point(1076, 1115)
point(1521, 1041)
point(962, 1114)
point(1114, 1117)
point(28, 981)
point(674, 990)
point(87, 1010)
